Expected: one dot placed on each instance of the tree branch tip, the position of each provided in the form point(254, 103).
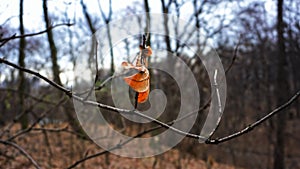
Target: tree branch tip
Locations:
point(70, 24)
point(212, 141)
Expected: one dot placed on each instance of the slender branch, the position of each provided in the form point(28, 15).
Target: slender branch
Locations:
point(63, 129)
point(118, 146)
point(40, 100)
point(52, 83)
point(135, 112)
point(233, 58)
point(143, 45)
point(100, 105)
point(4, 41)
point(97, 73)
point(21, 132)
point(98, 88)
point(256, 123)
point(208, 141)
point(34, 34)
point(16, 146)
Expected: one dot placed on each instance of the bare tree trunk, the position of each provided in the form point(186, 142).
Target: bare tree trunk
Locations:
point(55, 69)
point(21, 87)
point(107, 19)
point(112, 64)
point(87, 17)
point(147, 28)
point(53, 49)
point(92, 30)
point(197, 24)
point(282, 91)
point(165, 10)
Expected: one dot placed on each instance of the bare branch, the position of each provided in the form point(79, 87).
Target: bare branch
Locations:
point(255, 124)
point(118, 146)
point(135, 112)
point(33, 34)
point(208, 141)
point(233, 58)
point(36, 121)
point(97, 72)
point(52, 83)
point(107, 107)
point(38, 99)
point(16, 146)
point(63, 129)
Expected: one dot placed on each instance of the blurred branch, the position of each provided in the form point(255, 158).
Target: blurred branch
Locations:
point(162, 124)
point(52, 83)
point(21, 132)
point(256, 123)
point(16, 146)
point(38, 99)
point(18, 117)
point(103, 84)
point(88, 17)
point(15, 36)
point(208, 141)
point(63, 129)
point(97, 72)
point(233, 58)
point(100, 105)
point(118, 146)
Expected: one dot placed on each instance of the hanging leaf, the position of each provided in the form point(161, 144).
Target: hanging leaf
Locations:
point(140, 82)
point(143, 96)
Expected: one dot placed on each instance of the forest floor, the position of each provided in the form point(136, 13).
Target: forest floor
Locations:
point(55, 150)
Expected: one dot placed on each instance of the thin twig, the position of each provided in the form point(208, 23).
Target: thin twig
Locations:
point(143, 45)
point(100, 105)
point(233, 58)
point(256, 123)
point(118, 146)
point(21, 132)
point(98, 88)
point(16, 146)
point(135, 112)
point(38, 99)
point(97, 73)
point(7, 40)
point(64, 129)
point(52, 83)
point(34, 34)
point(208, 141)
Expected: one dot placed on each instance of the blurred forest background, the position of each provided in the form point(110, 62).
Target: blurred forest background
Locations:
point(38, 125)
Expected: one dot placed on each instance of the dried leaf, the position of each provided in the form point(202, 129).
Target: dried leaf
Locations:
point(139, 82)
point(143, 96)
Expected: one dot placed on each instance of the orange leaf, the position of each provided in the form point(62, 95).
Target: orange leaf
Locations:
point(139, 82)
point(127, 65)
point(143, 96)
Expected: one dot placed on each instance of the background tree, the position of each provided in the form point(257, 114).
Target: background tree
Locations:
point(53, 49)
point(22, 84)
point(282, 90)
point(246, 35)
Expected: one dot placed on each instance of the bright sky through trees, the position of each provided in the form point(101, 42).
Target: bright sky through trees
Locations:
point(33, 15)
